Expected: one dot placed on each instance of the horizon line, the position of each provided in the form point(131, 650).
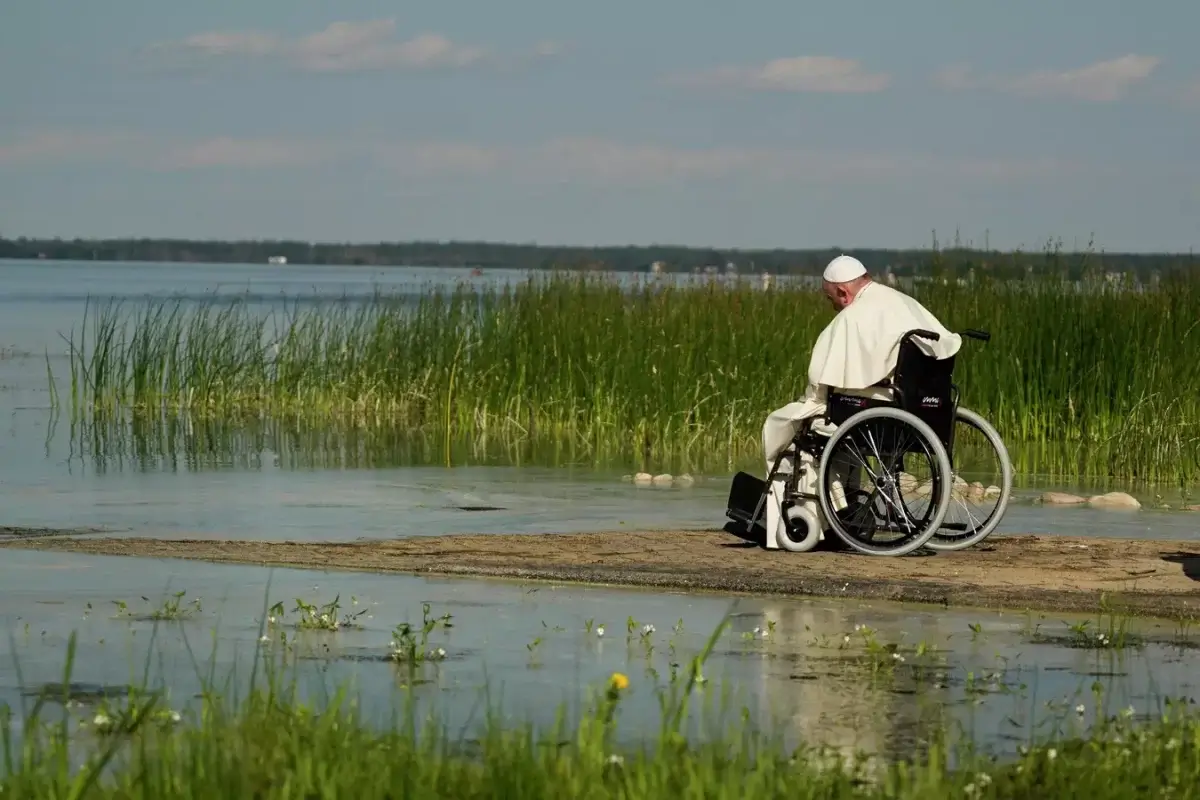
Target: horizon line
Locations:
point(330, 243)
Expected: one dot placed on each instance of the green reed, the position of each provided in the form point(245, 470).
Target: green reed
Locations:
point(276, 743)
point(1100, 382)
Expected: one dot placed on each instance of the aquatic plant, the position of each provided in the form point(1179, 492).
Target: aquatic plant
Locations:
point(171, 608)
point(1082, 381)
point(272, 744)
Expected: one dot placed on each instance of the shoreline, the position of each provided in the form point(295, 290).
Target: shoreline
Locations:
point(1013, 572)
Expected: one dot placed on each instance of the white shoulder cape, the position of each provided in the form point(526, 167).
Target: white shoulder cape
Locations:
point(860, 345)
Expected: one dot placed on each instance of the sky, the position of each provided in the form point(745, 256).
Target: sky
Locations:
point(760, 124)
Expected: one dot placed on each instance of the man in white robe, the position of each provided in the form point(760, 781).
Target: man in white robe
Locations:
point(857, 350)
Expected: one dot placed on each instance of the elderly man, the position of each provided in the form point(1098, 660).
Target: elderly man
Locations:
point(856, 351)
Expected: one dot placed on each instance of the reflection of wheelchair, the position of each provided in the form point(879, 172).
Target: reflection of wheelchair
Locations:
point(886, 481)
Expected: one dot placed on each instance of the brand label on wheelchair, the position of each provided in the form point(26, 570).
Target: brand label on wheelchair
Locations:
point(931, 402)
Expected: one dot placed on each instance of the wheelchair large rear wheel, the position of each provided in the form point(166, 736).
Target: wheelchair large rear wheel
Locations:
point(982, 484)
point(884, 482)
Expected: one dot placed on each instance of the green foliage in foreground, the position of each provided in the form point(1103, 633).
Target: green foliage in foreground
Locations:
point(1100, 382)
point(273, 746)
point(274, 749)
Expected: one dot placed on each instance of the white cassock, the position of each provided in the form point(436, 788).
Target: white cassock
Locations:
point(857, 350)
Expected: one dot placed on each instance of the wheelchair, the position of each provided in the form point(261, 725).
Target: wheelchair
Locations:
point(869, 492)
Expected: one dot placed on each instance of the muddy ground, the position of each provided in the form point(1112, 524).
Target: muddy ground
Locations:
point(1052, 573)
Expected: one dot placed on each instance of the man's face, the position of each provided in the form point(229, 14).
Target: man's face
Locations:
point(839, 294)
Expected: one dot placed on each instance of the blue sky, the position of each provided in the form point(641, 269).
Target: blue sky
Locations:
point(756, 124)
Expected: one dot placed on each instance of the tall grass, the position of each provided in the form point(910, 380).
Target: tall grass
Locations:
point(1102, 382)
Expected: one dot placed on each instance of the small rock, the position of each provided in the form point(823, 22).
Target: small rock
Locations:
point(642, 479)
point(1114, 500)
point(662, 480)
point(992, 493)
point(626, 478)
point(1062, 499)
point(684, 480)
point(1192, 508)
point(907, 482)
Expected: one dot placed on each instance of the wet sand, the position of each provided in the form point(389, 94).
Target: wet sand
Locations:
point(1048, 573)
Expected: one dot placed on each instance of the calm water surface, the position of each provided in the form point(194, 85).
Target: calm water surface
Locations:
point(1002, 680)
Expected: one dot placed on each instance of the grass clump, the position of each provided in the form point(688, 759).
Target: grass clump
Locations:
point(1092, 381)
point(274, 745)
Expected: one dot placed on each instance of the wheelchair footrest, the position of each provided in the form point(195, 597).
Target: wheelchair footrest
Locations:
point(744, 495)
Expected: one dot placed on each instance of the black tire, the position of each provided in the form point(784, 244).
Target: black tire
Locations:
point(940, 492)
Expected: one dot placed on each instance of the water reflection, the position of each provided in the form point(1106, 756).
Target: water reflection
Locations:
point(532, 646)
point(171, 442)
point(819, 691)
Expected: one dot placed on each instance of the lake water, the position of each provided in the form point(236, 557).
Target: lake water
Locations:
point(280, 483)
point(1003, 679)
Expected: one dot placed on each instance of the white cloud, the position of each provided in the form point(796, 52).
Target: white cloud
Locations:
point(795, 74)
point(589, 160)
point(1100, 82)
point(423, 158)
point(1189, 96)
point(58, 146)
point(163, 153)
point(225, 151)
point(348, 47)
point(608, 162)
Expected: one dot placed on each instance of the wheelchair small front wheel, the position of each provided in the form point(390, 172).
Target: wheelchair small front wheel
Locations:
point(799, 530)
point(884, 482)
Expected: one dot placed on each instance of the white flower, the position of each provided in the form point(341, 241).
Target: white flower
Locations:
point(1079, 709)
point(599, 630)
point(1051, 754)
point(616, 759)
point(647, 630)
point(441, 653)
point(101, 721)
point(264, 638)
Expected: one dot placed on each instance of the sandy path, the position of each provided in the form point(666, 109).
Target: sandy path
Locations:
point(1017, 571)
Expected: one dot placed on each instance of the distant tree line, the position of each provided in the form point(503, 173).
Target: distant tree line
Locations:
point(488, 255)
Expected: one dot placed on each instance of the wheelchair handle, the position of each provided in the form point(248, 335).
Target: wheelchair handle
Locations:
point(973, 333)
point(924, 335)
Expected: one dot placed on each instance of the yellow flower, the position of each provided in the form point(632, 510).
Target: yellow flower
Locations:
point(618, 681)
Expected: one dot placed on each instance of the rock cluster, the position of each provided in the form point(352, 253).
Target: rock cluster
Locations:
point(664, 479)
point(974, 493)
point(1117, 500)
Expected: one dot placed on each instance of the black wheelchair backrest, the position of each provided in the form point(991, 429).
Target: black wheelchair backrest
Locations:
point(924, 385)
